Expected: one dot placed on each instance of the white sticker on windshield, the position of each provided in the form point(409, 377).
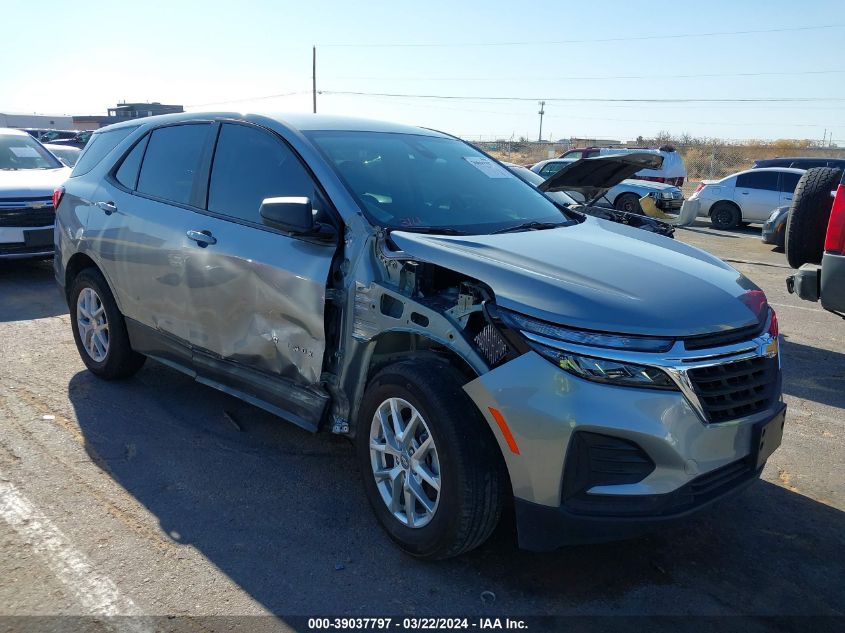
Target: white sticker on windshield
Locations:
point(25, 152)
point(488, 167)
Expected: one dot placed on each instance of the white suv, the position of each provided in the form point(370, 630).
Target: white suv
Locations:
point(28, 176)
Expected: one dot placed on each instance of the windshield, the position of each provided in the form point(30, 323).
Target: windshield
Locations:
point(408, 181)
point(21, 151)
point(536, 180)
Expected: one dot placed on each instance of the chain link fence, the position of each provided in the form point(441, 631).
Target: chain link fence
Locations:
point(704, 160)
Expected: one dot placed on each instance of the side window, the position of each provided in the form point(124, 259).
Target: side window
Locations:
point(127, 173)
point(551, 168)
point(172, 161)
point(251, 165)
point(95, 150)
point(789, 181)
point(758, 180)
point(574, 154)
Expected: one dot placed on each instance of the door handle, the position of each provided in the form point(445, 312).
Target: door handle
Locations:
point(744, 193)
point(203, 238)
point(107, 207)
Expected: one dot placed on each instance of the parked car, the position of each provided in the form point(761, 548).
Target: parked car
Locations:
point(747, 196)
point(671, 172)
point(398, 286)
point(28, 176)
point(824, 282)
point(626, 195)
point(78, 140)
point(559, 194)
point(49, 136)
point(65, 153)
point(800, 162)
point(774, 229)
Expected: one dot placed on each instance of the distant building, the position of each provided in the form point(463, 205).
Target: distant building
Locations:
point(40, 121)
point(592, 142)
point(125, 112)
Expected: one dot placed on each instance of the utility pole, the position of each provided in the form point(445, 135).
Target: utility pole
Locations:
point(824, 137)
point(541, 113)
point(314, 76)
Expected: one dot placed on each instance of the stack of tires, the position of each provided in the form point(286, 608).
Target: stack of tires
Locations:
point(809, 214)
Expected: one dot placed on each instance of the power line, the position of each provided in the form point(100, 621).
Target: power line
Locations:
point(597, 77)
point(580, 41)
point(284, 94)
point(586, 99)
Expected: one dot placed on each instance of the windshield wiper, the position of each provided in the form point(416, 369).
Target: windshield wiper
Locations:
point(530, 226)
point(436, 230)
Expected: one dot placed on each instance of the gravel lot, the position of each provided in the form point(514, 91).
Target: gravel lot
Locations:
point(160, 496)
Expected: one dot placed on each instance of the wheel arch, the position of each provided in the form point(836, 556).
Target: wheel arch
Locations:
point(81, 261)
point(724, 201)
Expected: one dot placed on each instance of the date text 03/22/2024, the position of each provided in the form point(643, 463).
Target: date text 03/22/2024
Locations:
point(416, 624)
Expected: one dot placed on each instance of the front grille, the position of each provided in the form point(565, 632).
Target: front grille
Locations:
point(670, 205)
point(21, 213)
point(736, 389)
point(719, 339)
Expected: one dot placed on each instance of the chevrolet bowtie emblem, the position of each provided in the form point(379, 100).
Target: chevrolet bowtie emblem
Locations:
point(36, 205)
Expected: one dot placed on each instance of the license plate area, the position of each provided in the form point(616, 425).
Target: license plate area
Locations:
point(40, 237)
point(767, 437)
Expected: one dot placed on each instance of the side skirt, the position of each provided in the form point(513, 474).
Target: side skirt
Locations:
point(275, 394)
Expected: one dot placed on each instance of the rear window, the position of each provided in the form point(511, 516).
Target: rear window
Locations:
point(172, 161)
point(100, 144)
point(21, 151)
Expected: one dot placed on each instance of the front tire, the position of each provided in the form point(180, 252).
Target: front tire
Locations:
point(99, 329)
point(432, 470)
point(628, 202)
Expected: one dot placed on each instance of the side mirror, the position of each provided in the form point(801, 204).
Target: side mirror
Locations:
point(293, 215)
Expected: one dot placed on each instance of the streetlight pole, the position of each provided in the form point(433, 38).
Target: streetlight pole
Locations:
point(314, 77)
point(541, 113)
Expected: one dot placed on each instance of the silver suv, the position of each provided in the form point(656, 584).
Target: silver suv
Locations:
point(394, 284)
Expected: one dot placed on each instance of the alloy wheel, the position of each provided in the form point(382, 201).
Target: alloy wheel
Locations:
point(93, 325)
point(405, 462)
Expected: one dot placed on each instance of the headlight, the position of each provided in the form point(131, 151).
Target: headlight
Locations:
point(666, 195)
point(542, 338)
point(607, 371)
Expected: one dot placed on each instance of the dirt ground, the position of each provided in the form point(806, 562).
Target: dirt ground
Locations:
point(160, 496)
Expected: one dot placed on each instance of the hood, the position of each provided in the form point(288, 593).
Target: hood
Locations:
point(31, 183)
point(601, 276)
point(656, 186)
point(593, 177)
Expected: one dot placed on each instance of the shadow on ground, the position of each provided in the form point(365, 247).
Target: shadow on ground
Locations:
point(813, 373)
point(283, 514)
point(28, 290)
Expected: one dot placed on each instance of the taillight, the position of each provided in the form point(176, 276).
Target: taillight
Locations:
point(58, 192)
point(699, 187)
point(834, 242)
point(773, 324)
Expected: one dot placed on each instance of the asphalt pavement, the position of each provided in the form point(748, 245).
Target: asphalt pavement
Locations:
point(158, 496)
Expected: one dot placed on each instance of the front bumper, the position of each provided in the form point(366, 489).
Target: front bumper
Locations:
point(26, 241)
point(690, 210)
point(545, 407)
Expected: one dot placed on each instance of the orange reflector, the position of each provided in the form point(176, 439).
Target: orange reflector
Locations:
point(500, 420)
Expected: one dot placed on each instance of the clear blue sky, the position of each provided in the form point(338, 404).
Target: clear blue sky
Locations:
point(204, 52)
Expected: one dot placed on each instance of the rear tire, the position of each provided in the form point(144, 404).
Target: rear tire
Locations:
point(99, 329)
point(809, 214)
point(725, 216)
point(628, 202)
point(469, 469)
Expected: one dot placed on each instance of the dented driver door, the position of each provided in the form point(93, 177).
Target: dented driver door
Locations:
point(258, 295)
